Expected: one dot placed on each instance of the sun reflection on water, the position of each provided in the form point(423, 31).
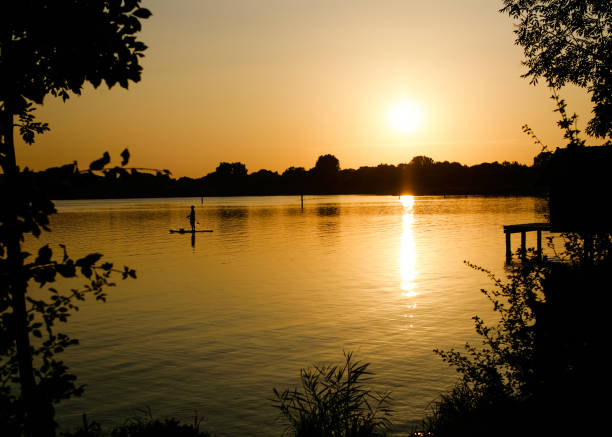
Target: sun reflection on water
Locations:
point(407, 201)
point(407, 258)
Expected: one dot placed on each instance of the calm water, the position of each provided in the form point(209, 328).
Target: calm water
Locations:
point(212, 327)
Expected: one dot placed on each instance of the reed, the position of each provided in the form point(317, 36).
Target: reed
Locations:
point(333, 401)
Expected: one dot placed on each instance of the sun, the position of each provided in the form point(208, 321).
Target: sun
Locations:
point(405, 117)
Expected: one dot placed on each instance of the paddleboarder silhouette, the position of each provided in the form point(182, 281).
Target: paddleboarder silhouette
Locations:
point(192, 219)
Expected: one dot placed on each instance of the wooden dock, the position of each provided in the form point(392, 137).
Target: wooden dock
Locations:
point(523, 229)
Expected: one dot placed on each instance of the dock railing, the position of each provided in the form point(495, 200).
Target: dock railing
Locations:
point(523, 229)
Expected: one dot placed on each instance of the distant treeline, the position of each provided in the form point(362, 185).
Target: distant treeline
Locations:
point(421, 176)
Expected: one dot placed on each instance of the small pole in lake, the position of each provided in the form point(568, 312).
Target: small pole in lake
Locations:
point(202, 200)
point(508, 248)
point(302, 200)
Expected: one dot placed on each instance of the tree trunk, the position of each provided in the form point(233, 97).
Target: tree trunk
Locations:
point(37, 421)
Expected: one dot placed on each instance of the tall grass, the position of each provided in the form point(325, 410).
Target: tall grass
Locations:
point(333, 401)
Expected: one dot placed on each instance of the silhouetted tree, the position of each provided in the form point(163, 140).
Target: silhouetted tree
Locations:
point(293, 181)
point(235, 169)
point(327, 165)
point(227, 179)
point(325, 174)
point(429, 178)
point(422, 161)
point(569, 41)
point(294, 172)
point(263, 182)
point(542, 159)
point(49, 47)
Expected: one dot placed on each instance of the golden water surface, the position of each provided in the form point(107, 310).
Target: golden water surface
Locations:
point(211, 325)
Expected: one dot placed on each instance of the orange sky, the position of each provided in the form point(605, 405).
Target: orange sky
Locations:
point(276, 83)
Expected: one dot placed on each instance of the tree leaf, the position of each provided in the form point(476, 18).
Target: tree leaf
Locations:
point(125, 155)
point(99, 164)
point(67, 270)
point(44, 255)
point(89, 260)
point(142, 13)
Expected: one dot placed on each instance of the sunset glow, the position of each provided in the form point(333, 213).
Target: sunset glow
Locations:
point(275, 84)
point(405, 117)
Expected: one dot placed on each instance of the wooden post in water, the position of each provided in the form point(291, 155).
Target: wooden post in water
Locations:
point(508, 248)
point(523, 244)
point(302, 200)
point(539, 243)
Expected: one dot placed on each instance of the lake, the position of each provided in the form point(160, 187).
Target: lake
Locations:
point(212, 324)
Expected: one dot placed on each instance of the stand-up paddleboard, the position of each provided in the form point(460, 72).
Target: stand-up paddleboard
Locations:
point(188, 231)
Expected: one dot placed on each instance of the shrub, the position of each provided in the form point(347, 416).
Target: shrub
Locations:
point(143, 425)
point(539, 369)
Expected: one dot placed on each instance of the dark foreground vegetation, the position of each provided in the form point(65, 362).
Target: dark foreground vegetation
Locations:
point(142, 425)
point(329, 401)
point(422, 175)
point(540, 368)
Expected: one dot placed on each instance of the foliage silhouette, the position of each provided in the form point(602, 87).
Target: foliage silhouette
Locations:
point(334, 402)
point(569, 42)
point(541, 360)
point(534, 366)
point(421, 176)
point(575, 178)
point(55, 47)
point(422, 161)
point(327, 164)
point(48, 48)
point(142, 425)
point(52, 379)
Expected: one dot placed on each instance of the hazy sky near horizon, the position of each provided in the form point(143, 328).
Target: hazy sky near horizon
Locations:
point(276, 83)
